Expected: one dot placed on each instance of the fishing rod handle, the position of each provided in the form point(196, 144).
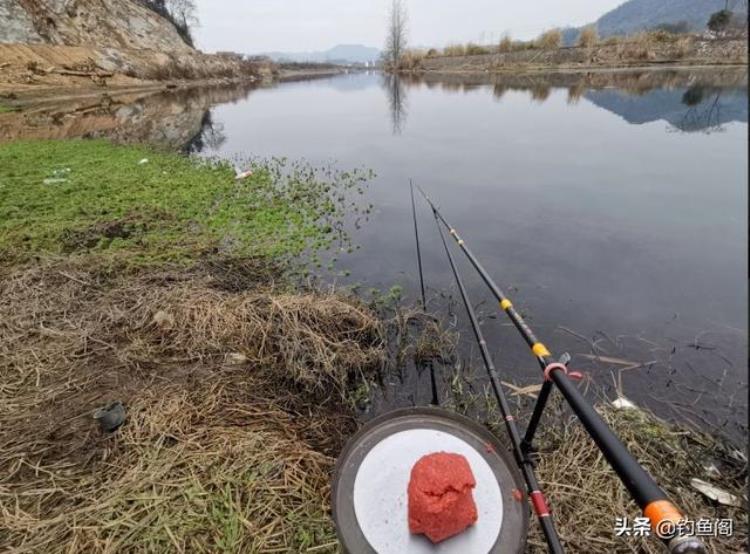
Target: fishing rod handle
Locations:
point(686, 545)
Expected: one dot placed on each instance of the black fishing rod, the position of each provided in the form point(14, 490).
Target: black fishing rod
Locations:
point(430, 365)
point(664, 516)
point(523, 461)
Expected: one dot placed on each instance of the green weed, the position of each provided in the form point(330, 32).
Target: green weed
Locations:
point(93, 197)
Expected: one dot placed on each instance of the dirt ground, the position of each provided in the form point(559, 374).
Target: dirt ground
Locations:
point(41, 70)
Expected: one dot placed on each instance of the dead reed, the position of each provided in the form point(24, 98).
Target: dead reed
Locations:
point(587, 496)
point(234, 403)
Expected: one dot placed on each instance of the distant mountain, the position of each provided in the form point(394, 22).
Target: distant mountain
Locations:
point(342, 53)
point(639, 15)
point(643, 15)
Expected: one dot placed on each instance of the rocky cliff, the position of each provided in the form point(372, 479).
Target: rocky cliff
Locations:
point(100, 23)
point(48, 45)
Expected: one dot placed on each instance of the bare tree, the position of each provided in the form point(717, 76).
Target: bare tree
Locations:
point(396, 40)
point(181, 13)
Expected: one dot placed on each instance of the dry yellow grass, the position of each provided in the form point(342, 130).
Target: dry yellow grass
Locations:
point(454, 50)
point(549, 40)
point(235, 393)
point(506, 44)
point(234, 400)
point(588, 37)
point(412, 60)
point(586, 495)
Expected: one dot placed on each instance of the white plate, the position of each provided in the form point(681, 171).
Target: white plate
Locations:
point(381, 503)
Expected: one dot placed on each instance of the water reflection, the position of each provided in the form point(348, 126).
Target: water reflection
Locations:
point(704, 109)
point(210, 137)
point(175, 119)
point(689, 100)
point(396, 91)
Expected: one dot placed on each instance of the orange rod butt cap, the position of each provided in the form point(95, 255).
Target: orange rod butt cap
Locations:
point(662, 510)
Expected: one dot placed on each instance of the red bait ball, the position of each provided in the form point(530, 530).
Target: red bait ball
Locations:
point(441, 504)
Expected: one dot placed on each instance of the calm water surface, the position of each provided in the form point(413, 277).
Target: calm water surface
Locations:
point(612, 208)
point(619, 213)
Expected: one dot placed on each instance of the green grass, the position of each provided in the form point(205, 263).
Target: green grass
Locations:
point(5, 109)
point(93, 197)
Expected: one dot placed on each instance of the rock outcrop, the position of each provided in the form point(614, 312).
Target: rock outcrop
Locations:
point(97, 23)
point(48, 45)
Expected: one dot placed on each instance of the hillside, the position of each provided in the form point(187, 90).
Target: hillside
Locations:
point(48, 45)
point(638, 15)
point(101, 23)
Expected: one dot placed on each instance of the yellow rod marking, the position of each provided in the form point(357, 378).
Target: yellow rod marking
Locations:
point(453, 232)
point(506, 304)
point(540, 350)
point(460, 242)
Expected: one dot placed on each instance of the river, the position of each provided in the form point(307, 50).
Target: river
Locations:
point(613, 207)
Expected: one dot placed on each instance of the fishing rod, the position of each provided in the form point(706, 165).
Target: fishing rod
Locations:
point(523, 461)
point(430, 365)
point(664, 516)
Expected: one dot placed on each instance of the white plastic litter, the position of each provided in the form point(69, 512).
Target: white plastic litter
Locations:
point(236, 358)
point(622, 403)
point(143, 161)
point(714, 493)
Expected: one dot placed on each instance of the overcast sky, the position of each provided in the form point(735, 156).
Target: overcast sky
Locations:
point(250, 26)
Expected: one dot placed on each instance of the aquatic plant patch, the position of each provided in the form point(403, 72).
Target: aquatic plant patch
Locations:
point(93, 197)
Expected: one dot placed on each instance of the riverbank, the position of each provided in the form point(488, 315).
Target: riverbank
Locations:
point(142, 277)
point(587, 499)
point(645, 50)
point(30, 68)
point(135, 275)
point(37, 73)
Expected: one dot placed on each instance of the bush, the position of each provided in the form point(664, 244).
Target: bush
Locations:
point(506, 44)
point(638, 47)
point(661, 35)
point(719, 21)
point(679, 28)
point(682, 47)
point(549, 40)
point(588, 37)
point(612, 41)
point(411, 60)
point(432, 53)
point(475, 50)
point(454, 50)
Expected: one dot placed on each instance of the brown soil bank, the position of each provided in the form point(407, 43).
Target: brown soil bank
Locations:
point(638, 51)
point(34, 69)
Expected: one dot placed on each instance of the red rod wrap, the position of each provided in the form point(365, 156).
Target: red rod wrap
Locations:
point(540, 503)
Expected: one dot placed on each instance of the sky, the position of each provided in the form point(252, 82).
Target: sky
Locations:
point(254, 26)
